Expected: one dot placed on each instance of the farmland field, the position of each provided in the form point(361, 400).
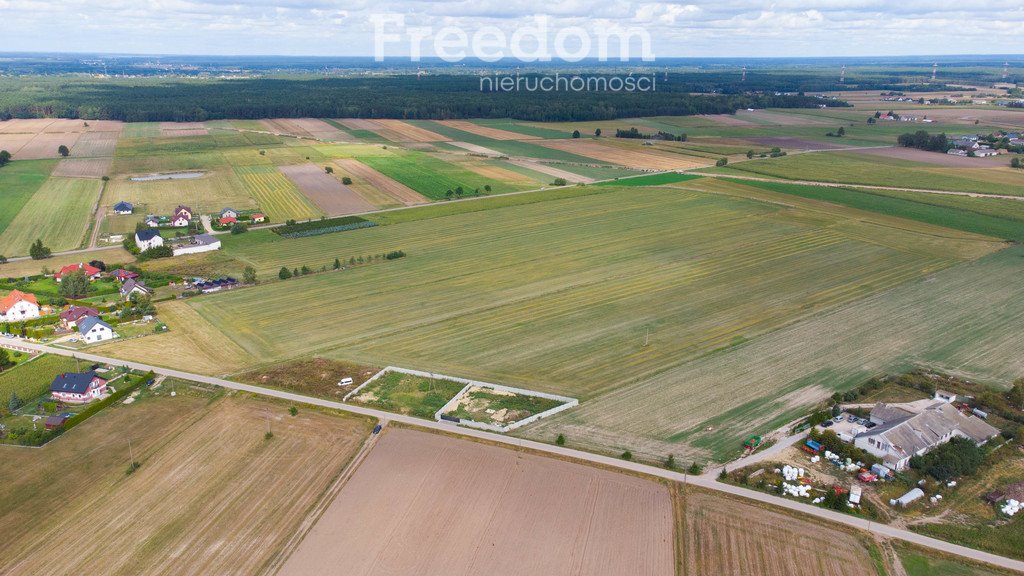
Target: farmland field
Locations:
point(19, 181)
point(59, 213)
point(360, 172)
point(431, 176)
point(211, 495)
point(32, 379)
point(632, 154)
point(330, 195)
point(210, 193)
point(428, 504)
point(275, 194)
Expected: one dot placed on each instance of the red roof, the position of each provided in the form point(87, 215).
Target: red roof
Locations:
point(257, 216)
point(90, 271)
point(75, 313)
point(122, 274)
point(227, 220)
point(7, 302)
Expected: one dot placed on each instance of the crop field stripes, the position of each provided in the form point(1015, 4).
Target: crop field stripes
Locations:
point(275, 194)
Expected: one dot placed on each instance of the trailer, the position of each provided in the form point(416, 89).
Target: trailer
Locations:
point(811, 447)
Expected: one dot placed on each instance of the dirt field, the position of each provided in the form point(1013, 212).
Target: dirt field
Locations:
point(358, 124)
point(389, 186)
point(631, 154)
point(398, 131)
point(724, 537)
point(321, 130)
point(476, 148)
point(212, 495)
point(729, 120)
point(95, 144)
point(552, 171)
point(333, 197)
point(183, 129)
point(428, 505)
point(493, 133)
point(1003, 117)
point(310, 376)
point(765, 117)
point(499, 173)
point(795, 143)
point(45, 145)
point(83, 167)
point(936, 158)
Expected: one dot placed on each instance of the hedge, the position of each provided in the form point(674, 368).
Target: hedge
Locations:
point(94, 408)
point(325, 226)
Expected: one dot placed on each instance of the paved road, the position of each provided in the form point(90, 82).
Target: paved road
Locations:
point(702, 481)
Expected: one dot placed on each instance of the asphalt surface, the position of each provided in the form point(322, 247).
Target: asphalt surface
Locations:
point(707, 481)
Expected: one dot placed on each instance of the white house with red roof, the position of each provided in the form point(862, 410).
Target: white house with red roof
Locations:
point(91, 272)
point(18, 306)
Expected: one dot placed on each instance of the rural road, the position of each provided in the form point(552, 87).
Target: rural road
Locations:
point(703, 481)
point(862, 186)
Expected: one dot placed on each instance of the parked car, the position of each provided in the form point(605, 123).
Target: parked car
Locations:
point(345, 382)
point(377, 429)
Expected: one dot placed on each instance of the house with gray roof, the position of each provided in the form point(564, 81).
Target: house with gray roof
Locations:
point(94, 330)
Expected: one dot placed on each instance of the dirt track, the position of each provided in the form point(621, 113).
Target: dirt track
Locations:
point(427, 504)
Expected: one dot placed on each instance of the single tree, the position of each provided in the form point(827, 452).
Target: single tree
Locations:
point(239, 228)
point(328, 169)
point(346, 180)
point(15, 402)
point(5, 157)
point(352, 261)
point(724, 474)
point(670, 462)
point(305, 270)
point(487, 188)
point(722, 162)
point(249, 275)
point(39, 252)
point(1016, 394)
point(597, 132)
point(285, 273)
point(1015, 163)
point(337, 264)
point(63, 150)
point(841, 132)
point(295, 271)
point(5, 359)
point(449, 193)
point(560, 182)
point(560, 440)
point(3, 259)
point(750, 154)
point(575, 133)
point(293, 410)
point(695, 469)
point(74, 285)
point(627, 455)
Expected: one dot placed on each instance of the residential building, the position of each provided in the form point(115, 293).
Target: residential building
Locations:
point(903, 431)
point(134, 286)
point(91, 272)
point(78, 387)
point(124, 208)
point(151, 221)
point(148, 238)
point(196, 244)
point(122, 275)
point(229, 213)
point(182, 217)
point(226, 220)
point(75, 314)
point(257, 218)
point(93, 329)
point(18, 306)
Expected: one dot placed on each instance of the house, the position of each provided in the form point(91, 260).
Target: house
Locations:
point(226, 220)
point(122, 275)
point(257, 218)
point(78, 387)
point(93, 329)
point(123, 208)
point(75, 314)
point(18, 306)
point(148, 238)
point(91, 272)
point(134, 286)
point(229, 213)
point(903, 431)
point(182, 217)
point(151, 221)
point(196, 244)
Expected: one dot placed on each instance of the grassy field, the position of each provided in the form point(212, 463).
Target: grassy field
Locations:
point(212, 496)
point(917, 563)
point(19, 181)
point(853, 168)
point(210, 193)
point(652, 180)
point(32, 379)
point(275, 194)
point(408, 394)
point(497, 407)
point(432, 176)
point(59, 213)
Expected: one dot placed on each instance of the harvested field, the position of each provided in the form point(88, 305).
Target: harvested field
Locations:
point(45, 145)
point(13, 142)
point(948, 160)
point(729, 120)
point(398, 131)
point(1004, 117)
point(59, 213)
point(276, 195)
point(778, 118)
point(333, 197)
point(476, 148)
point(389, 186)
point(211, 495)
point(25, 126)
point(92, 144)
point(310, 376)
point(358, 124)
point(210, 193)
point(631, 154)
point(428, 504)
point(723, 536)
point(190, 337)
point(320, 130)
point(552, 171)
point(175, 129)
point(791, 143)
point(500, 174)
point(485, 131)
point(83, 167)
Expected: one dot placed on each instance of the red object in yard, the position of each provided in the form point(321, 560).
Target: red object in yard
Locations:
point(808, 449)
point(839, 490)
point(867, 477)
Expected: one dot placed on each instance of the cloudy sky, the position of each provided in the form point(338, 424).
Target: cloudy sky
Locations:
point(346, 28)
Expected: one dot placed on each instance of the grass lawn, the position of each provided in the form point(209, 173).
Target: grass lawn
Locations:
point(408, 394)
point(920, 564)
point(494, 407)
point(59, 213)
point(19, 180)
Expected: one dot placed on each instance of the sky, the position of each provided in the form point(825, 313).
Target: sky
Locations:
point(725, 28)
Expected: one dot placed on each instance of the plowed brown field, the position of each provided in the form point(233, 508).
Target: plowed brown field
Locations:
point(387, 185)
point(333, 197)
point(493, 133)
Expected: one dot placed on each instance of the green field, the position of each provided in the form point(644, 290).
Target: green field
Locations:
point(651, 180)
point(275, 194)
point(408, 394)
point(32, 379)
point(515, 148)
point(431, 176)
point(19, 181)
point(59, 213)
point(853, 168)
point(919, 564)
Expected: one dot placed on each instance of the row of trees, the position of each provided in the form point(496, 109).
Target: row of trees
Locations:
point(661, 135)
point(922, 140)
point(284, 273)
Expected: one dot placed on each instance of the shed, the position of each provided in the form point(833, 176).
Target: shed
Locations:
point(56, 421)
point(908, 498)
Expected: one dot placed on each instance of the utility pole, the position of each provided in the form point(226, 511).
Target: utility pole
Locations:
point(131, 454)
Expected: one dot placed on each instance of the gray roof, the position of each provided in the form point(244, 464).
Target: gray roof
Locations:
point(886, 413)
point(934, 425)
point(204, 239)
point(72, 382)
point(87, 324)
point(147, 234)
point(132, 284)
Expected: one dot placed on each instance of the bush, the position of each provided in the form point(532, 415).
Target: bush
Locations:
point(695, 469)
point(958, 457)
point(560, 182)
point(293, 410)
point(560, 440)
point(164, 251)
point(722, 162)
point(239, 228)
point(394, 255)
point(627, 455)
point(346, 180)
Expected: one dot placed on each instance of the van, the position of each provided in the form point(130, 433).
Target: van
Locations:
point(345, 382)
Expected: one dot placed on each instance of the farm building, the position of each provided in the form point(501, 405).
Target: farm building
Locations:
point(122, 275)
point(133, 286)
point(229, 213)
point(257, 218)
point(906, 430)
point(75, 314)
point(78, 387)
point(93, 329)
point(18, 306)
point(91, 272)
point(196, 244)
point(149, 238)
point(124, 208)
point(182, 217)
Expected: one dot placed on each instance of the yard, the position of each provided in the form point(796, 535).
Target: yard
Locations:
point(408, 394)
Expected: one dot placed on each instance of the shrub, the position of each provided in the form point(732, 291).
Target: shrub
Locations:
point(346, 180)
point(239, 228)
point(627, 455)
point(285, 273)
point(560, 440)
point(722, 162)
point(695, 469)
point(958, 457)
point(293, 410)
point(560, 182)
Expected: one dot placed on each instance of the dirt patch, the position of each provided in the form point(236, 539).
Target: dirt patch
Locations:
point(492, 133)
point(430, 504)
point(796, 143)
point(333, 197)
point(314, 377)
point(183, 129)
point(552, 171)
point(389, 186)
point(936, 158)
point(630, 154)
point(477, 149)
point(83, 167)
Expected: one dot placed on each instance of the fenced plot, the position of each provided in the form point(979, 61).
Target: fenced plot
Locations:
point(428, 504)
point(276, 194)
point(330, 195)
